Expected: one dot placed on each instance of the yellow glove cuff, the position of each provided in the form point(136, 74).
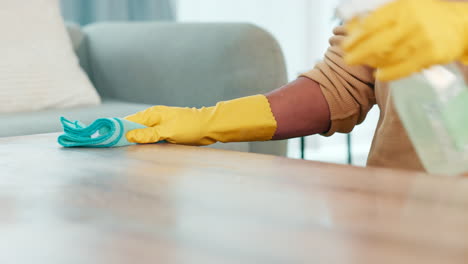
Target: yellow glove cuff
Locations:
point(462, 9)
point(244, 119)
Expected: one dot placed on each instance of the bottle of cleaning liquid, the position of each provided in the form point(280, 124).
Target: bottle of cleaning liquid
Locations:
point(432, 105)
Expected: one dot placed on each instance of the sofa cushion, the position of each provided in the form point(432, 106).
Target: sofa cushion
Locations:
point(48, 121)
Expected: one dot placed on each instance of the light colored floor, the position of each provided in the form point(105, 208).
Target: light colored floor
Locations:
point(334, 149)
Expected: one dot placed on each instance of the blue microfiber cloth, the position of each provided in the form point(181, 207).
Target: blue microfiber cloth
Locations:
point(102, 133)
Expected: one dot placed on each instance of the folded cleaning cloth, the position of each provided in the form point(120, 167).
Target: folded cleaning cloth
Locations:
point(102, 133)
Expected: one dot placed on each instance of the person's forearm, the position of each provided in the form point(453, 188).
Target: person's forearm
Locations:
point(300, 109)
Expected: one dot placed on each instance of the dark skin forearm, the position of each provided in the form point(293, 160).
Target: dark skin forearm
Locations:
point(300, 109)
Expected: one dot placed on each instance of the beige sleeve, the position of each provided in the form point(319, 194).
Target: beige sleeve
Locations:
point(349, 90)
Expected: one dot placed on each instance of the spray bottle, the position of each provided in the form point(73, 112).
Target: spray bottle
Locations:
point(432, 105)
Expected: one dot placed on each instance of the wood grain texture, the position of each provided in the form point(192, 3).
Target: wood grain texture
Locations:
point(177, 204)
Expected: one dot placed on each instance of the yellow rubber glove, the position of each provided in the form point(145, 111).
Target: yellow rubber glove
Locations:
point(406, 36)
point(244, 119)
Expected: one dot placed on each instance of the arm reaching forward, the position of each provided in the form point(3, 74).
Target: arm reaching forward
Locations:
point(333, 97)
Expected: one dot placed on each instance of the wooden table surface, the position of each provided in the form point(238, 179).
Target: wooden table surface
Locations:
point(176, 204)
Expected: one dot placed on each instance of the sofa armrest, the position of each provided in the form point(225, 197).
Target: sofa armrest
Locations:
point(183, 64)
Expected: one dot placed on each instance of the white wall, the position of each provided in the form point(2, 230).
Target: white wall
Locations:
point(302, 27)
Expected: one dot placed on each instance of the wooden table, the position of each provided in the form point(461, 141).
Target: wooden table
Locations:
point(175, 204)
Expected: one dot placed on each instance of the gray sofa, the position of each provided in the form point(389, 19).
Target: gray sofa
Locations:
point(136, 65)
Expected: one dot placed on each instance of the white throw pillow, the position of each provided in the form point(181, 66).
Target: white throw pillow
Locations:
point(38, 67)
